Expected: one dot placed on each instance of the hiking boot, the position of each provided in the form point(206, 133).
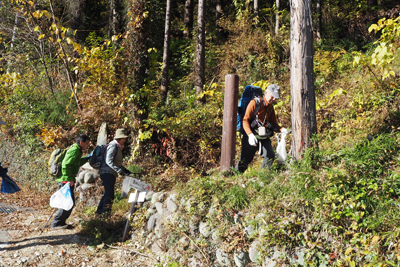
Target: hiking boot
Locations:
point(61, 227)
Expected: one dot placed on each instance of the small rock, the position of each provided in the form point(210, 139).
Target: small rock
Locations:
point(152, 221)
point(162, 197)
point(204, 229)
point(157, 246)
point(159, 207)
point(222, 257)
point(90, 177)
point(173, 197)
point(253, 251)
point(171, 206)
point(241, 259)
point(150, 212)
point(80, 178)
point(215, 235)
point(154, 197)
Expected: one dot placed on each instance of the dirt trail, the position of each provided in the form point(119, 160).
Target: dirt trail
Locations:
point(21, 243)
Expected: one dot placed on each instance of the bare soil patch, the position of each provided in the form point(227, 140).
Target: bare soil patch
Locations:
point(22, 244)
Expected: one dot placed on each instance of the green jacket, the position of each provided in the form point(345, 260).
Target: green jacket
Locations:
point(72, 162)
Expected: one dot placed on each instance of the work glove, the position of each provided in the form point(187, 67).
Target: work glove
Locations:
point(125, 172)
point(253, 140)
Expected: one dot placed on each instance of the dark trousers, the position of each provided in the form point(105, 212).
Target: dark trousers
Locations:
point(108, 197)
point(63, 215)
point(248, 152)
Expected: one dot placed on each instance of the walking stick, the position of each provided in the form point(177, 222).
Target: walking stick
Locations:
point(47, 221)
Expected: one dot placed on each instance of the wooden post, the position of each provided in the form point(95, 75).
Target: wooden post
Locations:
point(132, 211)
point(229, 125)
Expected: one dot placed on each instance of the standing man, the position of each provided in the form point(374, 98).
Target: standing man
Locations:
point(69, 168)
point(258, 128)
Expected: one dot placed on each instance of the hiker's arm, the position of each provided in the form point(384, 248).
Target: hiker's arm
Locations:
point(67, 165)
point(111, 151)
point(83, 160)
point(273, 120)
point(248, 115)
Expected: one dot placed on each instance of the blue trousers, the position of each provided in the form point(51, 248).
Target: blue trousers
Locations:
point(248, 152)
point(63, 215)
point(107, 200)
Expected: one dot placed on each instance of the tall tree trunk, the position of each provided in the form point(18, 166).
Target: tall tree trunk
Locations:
point(200, 51)
point(319, 14)
point(75, 9)
point(188, 19)
point(12, 41)
point(111, 19)
point(304, 123)
point(277, 17)
point(136, 46)
point(256, 19)
point(218, 15)
point(167, 38)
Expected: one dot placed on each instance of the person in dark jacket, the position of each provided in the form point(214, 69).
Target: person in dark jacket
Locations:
point(251, 139)
point(69, 168)
point(109, 170)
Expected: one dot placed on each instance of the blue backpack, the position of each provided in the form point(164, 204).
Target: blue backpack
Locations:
point(250, 92)
point(98, 156)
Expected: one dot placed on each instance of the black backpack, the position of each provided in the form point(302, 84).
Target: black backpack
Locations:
point(250, 92)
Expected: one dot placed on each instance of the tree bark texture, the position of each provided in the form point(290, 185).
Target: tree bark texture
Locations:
point(200, 50)
point(188, 19)
point(277, 17)
point(111, 19)
point(218, 15)
point(256, 18)
point(167, 39)
point(304, 123)
point(319, 14)
point(136, 46)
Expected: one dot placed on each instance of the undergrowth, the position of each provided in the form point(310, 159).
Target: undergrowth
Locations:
point(339, 209)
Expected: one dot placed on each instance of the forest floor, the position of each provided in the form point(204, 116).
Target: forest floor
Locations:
point(23, 244)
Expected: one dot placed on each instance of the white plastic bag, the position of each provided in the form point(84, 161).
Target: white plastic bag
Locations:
point(62, 199)
point(281, 147)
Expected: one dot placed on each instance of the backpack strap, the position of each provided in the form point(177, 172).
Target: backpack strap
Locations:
point(258, 104)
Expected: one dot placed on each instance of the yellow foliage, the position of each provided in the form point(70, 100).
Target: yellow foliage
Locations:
point(51, 136)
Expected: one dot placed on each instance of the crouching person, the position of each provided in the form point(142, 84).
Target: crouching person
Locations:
point(69, 168)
